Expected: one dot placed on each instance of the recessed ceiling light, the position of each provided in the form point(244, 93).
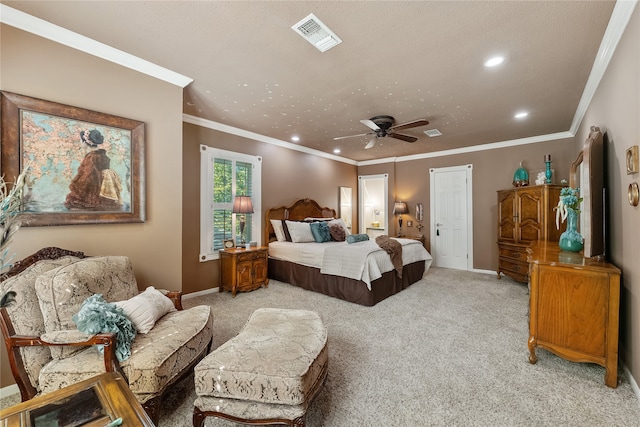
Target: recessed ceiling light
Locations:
point(495, 61)
point(521, 115)
point(295, 138)
point(336, 151)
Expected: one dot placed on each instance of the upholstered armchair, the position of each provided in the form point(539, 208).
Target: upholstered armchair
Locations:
point(48, 352)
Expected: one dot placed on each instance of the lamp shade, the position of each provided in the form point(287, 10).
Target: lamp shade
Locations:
point(242, 205)
point(400, 208)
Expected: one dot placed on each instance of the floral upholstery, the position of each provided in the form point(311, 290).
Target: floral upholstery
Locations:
point(26, 315)
point(175, 341)
point(273, 368)
point(57, 290)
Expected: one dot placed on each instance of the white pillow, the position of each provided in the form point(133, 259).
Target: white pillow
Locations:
point(278, 230)
point(146, 308)
point(340, 222)
point(300, 232)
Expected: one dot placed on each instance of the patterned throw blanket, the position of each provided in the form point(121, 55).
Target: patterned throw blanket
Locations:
point(394, 249)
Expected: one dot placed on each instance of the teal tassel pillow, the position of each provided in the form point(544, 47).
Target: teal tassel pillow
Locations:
point(320, 231)
point(355, 238)
point(98, 316)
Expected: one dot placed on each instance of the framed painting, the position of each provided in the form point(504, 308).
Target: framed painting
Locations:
point(83, 167)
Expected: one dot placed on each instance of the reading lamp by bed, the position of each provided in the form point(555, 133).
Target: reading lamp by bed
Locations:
point(400, 208)
point(242, 205)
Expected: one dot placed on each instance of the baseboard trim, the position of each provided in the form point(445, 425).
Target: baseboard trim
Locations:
point(475, 270)
point(199, 293)
point(632, 381)
point(9, 390)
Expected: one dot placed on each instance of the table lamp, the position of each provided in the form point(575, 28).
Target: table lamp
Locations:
point(400, 208)
point(242, 205)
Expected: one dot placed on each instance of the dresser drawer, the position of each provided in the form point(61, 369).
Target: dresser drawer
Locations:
point(250, 256)
point(515, 253)
point(518, 270)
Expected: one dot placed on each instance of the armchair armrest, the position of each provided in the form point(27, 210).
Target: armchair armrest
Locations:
point(174, 296)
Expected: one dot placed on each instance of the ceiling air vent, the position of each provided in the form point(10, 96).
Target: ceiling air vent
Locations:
point(316, 33)
point(433, 133)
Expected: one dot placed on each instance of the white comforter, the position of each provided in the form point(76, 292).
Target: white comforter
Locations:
point(364, 261)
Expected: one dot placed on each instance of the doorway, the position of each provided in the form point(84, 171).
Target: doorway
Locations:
point(452, 217)
point(373, 196)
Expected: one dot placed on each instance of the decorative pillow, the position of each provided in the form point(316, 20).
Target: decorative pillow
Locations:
point(300, 232)
point(355, 238)
point(278, 230)
point(337, 232)
point(146, 308)
point(312, 219)
point(98, 316)
point(320, 231)
point(340, 222)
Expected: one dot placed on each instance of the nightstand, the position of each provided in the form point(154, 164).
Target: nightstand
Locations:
point(243, 269)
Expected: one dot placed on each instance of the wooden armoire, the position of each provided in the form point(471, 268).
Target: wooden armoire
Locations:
point(525, 215)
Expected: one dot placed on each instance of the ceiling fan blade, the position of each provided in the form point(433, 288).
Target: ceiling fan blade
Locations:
point(412, 124)
point(406, 138)
point(351, 136)
point(368, 123)
point(371, 143)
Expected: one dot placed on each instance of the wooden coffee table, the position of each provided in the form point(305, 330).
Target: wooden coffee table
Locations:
point(95, 402)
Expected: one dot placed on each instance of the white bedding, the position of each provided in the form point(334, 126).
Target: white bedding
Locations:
point(364, 261)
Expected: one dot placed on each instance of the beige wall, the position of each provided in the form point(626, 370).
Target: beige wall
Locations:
point(492, 170)
point(39, 68)
point(287, 175)
point(615, 108)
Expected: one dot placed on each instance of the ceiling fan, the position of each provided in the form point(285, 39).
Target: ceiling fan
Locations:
point(383, 126)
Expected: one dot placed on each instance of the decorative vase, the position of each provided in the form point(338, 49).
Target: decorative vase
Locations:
point(521, 177)
point(571, 240)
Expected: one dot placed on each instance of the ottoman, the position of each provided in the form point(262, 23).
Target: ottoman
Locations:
point(268, 374)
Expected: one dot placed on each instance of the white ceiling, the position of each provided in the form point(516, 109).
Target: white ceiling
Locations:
point(410, 60)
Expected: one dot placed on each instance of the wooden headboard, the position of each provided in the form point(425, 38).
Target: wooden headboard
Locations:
point(303, 208)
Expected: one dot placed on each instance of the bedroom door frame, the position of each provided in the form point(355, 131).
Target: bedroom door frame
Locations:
point(362, 228)
point(467, 170)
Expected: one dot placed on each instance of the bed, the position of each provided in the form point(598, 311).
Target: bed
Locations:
point(304, 264)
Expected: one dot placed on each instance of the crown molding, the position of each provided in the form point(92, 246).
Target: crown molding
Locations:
point(473, 148)
point(620, 17)
point(210, 124)
point(47, 30)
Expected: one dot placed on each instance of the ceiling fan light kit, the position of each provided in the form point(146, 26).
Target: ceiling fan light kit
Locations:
point(382, 126)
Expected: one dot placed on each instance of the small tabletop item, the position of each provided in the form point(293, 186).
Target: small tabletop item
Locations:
point(521, 177)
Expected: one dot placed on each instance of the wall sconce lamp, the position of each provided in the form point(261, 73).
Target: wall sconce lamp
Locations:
point(242, 205)
point(400, 208)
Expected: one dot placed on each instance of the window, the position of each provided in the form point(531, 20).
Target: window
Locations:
point(223, 175)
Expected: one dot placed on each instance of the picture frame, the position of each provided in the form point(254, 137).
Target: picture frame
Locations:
point(632, 159)
point(84, 167)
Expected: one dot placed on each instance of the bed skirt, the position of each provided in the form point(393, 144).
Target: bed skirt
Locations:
point(351, 290)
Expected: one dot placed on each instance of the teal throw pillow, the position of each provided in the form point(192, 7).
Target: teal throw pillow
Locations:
point(320, 231)
point(355, 238)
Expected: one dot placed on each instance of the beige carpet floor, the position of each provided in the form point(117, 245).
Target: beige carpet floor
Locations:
point(451, 350)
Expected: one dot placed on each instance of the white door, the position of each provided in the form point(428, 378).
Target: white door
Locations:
point(451, 225)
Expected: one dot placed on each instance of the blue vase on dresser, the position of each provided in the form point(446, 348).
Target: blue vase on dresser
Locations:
point(571, 240)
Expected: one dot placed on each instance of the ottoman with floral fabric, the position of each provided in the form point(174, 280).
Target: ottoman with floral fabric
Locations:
point(268, 374)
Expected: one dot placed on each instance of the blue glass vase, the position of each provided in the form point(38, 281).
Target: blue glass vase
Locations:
point(571, 240)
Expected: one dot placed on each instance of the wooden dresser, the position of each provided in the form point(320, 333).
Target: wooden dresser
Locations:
point(574, 305)
point(525, 215)
point(243, 269)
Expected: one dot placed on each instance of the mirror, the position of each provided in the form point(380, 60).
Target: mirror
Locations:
point(587, 173)
point(346, 206)
point(373, 205)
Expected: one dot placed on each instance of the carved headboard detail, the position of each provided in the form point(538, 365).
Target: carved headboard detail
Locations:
point(301, 209)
